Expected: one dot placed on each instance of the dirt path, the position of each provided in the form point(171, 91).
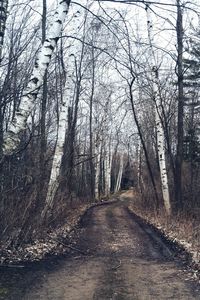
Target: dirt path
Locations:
point(125, 260)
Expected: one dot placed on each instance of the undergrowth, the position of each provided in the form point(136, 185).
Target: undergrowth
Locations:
point(182, 228)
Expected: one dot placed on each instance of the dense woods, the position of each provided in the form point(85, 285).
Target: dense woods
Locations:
point(95, 97)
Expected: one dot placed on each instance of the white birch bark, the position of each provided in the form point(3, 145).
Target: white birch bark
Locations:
point(3, 17)
point(159, 127)
point(162, 163)
point(29, 96)
point(139, 165)
point(119, 176)
point(108, 167)
point(57, 159)
point(61, 133)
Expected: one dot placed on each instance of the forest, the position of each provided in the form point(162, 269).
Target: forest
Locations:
point(97, 97)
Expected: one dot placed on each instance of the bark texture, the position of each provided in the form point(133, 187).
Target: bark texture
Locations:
point(179, 151)
point(12, 139)
point(159, 127)
point(57, 159)
point(108, 167)
point(119, 176)
point(97, 167)
point(43, 104)
point(3, 17)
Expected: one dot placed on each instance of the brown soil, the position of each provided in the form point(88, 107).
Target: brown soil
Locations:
point(124, 259)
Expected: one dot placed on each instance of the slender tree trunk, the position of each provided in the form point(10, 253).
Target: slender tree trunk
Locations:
point(162, 164)
point(192, 163)
point(97, 167)
point(57, 159)
point(130, 85)
point(139, 157)
point(73, 124)
point(143, 145)
point(3, 17)
point(179, 152)
point(12, 139)
point(43, 109)
point(119, 176)
point(60, 144)
point(108, 166)
point(169, 149)
point(159, 127)
point(92, 173)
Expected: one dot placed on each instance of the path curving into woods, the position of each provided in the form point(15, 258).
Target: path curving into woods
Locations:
point(123, 259)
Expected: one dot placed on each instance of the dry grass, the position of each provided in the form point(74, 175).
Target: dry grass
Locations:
point(182, 228)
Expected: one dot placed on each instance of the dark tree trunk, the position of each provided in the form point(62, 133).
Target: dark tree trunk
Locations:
point(144, 146)
point(179, 153)
point(92, 171)
point(3, 17)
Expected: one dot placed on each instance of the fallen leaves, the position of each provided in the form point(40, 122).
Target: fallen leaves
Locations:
point(51, 244)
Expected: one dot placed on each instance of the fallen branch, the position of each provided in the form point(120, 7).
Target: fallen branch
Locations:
point(68, 246)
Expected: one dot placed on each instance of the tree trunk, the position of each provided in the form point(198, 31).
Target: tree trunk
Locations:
point(43, 111)
point(3, 17)
point(139, 167)
point(97, 167)
point(179, 151)
point(92, 173)
point(143, 145)
point(162, 164)
point(108, 166)
point(57, 159)
point(119, 176)
point(159, 127)
point(12, 139)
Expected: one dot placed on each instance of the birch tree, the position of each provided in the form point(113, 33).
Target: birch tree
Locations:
point(159, 127)
point(12, 138)
point(3, 17)
point(57, 158)
point(43, 105)
point(98, 147)
point(108, 155)
point(108, 167)
point(119, 175)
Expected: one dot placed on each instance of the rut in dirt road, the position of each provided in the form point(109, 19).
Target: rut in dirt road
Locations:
point(125, 260)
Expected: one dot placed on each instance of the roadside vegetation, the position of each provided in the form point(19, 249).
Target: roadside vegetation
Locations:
point(182, 231)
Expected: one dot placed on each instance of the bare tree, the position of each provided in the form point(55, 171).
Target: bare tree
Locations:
point(27, 101)
point(159, 127)
point(179, 152)
point(3, 17)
